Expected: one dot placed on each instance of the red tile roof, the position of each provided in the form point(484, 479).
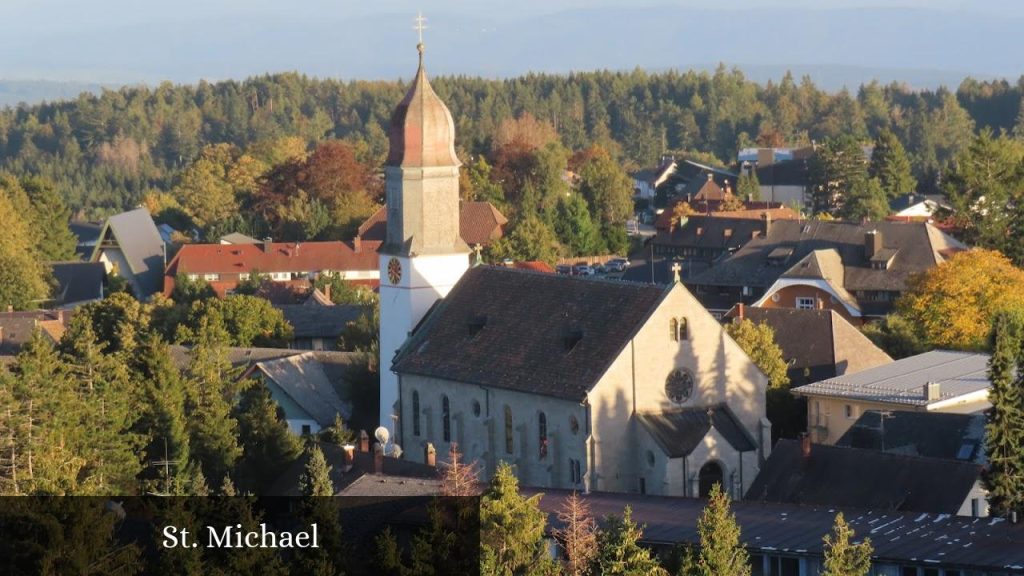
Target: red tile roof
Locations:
point(479, 223)
point(277, 257)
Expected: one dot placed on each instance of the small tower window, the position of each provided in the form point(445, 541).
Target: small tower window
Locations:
point(446, 419)
point(542, 435)
point(673, 327)
point(684, 329)
point(415, 413)
point(508, 430)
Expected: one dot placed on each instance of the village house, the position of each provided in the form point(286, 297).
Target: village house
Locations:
point(936, 381)
point(223, 266)
point(855, 269)
point(129, 245)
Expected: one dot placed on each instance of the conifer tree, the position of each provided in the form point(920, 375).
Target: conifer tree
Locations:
point(890, 165)
point(578, 535)
point(842, 557)
point(51, 216)
point(1004, 431)
point(865, 200)
point(749, 186)
point(511, 528)
point(267, 444)
point(619, 552)
point(163, 419)
point(720, 548)
point(24, 282)
point(316, 477)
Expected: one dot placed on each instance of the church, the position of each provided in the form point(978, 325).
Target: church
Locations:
point(578, 383)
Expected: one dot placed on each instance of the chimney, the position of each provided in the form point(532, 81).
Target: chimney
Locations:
point(350, 456)
point(711, 176)
point(357, 244)
point(378, 458)
point(327, 290)
point(766, 223)
point(740, 310)
point(932, 391)
point(872, 243)
point(60, 316)
point(10, 308)
point(265, 244)
point(429, 455)
point(296, 253)
point(805, 444)
point(364, 441)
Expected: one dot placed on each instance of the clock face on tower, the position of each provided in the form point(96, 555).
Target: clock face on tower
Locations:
point(394, 271)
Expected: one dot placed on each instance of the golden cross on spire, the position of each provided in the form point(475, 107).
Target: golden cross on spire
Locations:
point(420, 26)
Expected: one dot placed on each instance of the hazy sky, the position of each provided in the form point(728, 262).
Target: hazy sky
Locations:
point(183, 40)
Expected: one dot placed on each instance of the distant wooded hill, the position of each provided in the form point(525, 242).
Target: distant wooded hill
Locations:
point(105, 151)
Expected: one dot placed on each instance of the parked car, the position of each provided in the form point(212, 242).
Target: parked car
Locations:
point(582, 270)
point(564, 269)
point(617, 265)
point(600, 269)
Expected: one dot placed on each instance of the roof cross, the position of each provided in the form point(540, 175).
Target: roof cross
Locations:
point(420, 26)
point(675, 272)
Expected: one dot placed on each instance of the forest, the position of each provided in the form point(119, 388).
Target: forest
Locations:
point(106, 152)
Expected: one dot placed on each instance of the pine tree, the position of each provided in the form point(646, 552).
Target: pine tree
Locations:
point(1004, 432)
point(163, 420)
point(267, 443)
point(865, 200)
point(51, 216)
point(575, 228)
point(459, 479)
point(316, 477)
point(619, 552)
point(578, 535)
point(720, 548)
point(23, 280)
point(843, 558)
point(511, 528)
point(748, 186)
point(890, 165)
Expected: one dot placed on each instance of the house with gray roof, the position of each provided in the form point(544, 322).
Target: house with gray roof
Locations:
point(130, 246)
point(318, 327)
point(77, 282)
point(856, 269)
point(936, 381)
point(583, 383)
point(310, 393)
point(928, 434)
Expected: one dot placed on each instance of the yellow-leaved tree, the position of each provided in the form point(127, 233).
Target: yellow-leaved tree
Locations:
point(952, 304)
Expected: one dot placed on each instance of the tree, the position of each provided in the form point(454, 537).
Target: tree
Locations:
point(163, 420)
point(211, 188)
point(530, 239)
point(890, 165)
point(1004, 430)
point(748, 186)
point(267, 443)
point(343, 184)
point(953, 304)
point(23, 279)
point(51, 217)
point(720, 548)
point(758, 341)
point(618, 549)
point(316, 476)
point(609, 193)
point(511, 528)
point(578, 535)
point(843, 558)
point(524, 130)
point(731, 203)
point(865, 200)
point(837, 165)
point(248, 320)
point(895, 335)
point(459, 479)
point(574, 227)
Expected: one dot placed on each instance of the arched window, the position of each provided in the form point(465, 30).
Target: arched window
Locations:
point(673, 326)
point(684, 330)
point(709, 475)
point(542, 435)
point(446, 419)
point(415, 413)
point(508, 430)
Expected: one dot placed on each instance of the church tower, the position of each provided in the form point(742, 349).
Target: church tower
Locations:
point(423, 255)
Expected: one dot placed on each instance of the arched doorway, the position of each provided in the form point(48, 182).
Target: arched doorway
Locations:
point(710, 474)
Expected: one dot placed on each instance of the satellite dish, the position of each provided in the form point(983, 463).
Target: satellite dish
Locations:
point(382, 435)
point(396, 451)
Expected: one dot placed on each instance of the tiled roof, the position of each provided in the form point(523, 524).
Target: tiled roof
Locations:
point(990, 544)
point(929, 434)
point(903, 381)
point(479, 223)
point(866, 479)
point(272, 257)
point(319, 321)
point(305, 380)
point(712, 232)
point(920, 247)
point(824, 265)
point(820, 343)
point(78, 281)
point(533, 332)
point(17, 328)
point(395, 472)
point(678, 432)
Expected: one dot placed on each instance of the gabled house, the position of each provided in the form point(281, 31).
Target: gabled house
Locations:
point(917, 206)
point(583, 383)
point(856, 269)
point(318, 327)
point(130, 246)
point(647, 181)
point(18, 328)
point(77, 282)
point(816, 344)
point(787, 181)
point(223, 266)
point(936, 381)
